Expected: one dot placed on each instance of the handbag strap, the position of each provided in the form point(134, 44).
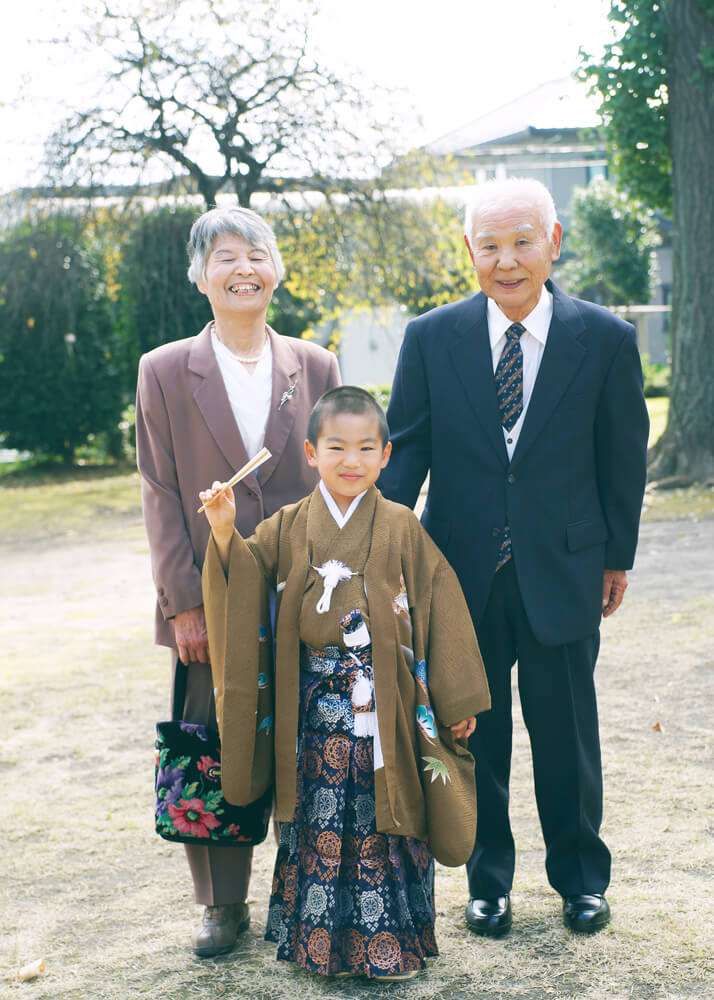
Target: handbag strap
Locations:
point(179, 695)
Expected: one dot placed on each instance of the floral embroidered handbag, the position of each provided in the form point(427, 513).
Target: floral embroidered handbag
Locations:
point(190, 808)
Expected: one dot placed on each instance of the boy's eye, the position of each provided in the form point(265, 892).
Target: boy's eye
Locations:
point(368, 447)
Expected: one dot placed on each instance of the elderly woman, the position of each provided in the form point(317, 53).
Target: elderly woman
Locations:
point(205, 405)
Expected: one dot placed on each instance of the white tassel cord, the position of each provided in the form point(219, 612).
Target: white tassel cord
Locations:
point(332, 573)
point(362, 693)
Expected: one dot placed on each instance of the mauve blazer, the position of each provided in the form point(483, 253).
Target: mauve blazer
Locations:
point(186, 437)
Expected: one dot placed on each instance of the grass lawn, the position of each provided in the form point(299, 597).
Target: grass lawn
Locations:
point(88, 886)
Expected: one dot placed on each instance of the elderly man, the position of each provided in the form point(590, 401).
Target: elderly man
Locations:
point(526, 408)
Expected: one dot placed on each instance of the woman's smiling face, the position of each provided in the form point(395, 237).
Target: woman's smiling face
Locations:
point(239, 277)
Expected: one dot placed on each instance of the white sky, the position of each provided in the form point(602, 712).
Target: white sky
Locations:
point(456, 59)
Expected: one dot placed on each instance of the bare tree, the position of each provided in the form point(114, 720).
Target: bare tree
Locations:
point(228, 93)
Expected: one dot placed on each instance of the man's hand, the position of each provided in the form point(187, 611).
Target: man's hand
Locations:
point(462, 730)
point(191, 636)
point(614, 585)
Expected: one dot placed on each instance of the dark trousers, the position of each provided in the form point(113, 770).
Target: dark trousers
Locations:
point(557, 692)
point(220, 874)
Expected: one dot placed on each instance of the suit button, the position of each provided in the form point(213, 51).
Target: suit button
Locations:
point(164, 601)
point(511, 478)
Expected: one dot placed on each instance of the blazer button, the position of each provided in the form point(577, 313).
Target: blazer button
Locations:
point(164, 601)
point(511, 478)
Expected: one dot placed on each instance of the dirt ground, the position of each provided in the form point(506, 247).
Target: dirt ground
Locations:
point(87, 885)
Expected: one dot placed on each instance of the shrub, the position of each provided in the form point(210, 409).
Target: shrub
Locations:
point(59, 366)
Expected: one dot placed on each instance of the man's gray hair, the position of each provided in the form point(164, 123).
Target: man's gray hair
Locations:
point(520, 191)
point(231, 221)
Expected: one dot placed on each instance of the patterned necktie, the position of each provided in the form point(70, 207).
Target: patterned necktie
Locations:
point(509, 392)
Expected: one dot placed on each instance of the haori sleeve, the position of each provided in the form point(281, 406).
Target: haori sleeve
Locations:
point(457, 679)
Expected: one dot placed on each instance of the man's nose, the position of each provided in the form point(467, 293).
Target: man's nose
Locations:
point(507, 261)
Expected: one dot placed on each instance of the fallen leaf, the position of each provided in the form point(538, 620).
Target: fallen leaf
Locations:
point(658, 727)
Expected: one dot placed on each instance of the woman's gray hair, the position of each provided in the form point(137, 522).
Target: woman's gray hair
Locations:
point(232, 221)
point(512, 191)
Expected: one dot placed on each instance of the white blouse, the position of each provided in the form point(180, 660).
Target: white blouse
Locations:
point(249, 394)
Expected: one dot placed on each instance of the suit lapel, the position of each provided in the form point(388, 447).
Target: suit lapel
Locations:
point(287, 371)
point(212, 400)
point(562, 356)
point(471, 356)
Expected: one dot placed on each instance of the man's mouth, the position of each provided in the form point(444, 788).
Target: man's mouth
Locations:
point(511, 284)
point(244, 288)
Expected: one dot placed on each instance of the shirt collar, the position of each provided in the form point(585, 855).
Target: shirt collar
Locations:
point(536, 322)
point(339, 517)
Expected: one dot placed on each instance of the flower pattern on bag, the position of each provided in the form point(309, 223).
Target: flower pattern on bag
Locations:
point(190, 807)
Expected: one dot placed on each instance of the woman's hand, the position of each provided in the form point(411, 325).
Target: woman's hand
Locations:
point(220, 510)
point(462, 730)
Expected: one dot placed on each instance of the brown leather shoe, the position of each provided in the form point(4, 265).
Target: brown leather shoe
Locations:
point(220, 928)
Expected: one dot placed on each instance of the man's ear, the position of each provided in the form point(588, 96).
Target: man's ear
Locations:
point(386, 454)
point(310, 454)
point(468, 247)
point(555, 241)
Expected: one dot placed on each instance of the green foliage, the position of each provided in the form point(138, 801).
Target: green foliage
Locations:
point(657, 378)
point(59, 370)
point(381, 393)
point(631, 81)
point(158, 303)
point(612, 238)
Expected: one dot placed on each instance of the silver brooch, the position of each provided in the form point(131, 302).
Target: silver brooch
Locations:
point(287, 395)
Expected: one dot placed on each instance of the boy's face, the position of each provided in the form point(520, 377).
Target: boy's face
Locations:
point(349, 455)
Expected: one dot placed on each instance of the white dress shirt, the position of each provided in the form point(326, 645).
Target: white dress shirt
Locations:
point(249, 394)
point(537, 323)
point(341, 518)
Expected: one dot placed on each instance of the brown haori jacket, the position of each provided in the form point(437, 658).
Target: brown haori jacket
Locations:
point(417, 616)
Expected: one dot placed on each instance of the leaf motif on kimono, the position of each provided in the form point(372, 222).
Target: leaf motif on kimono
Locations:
point(426, 721)
point(437, 768)
point(266, 725)
point(190, 790)
point(400, 601)
point(421, 674)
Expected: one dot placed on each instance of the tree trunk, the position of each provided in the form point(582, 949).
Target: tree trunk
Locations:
point(687, 447)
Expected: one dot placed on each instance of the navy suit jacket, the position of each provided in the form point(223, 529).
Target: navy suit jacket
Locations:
point(572, 493)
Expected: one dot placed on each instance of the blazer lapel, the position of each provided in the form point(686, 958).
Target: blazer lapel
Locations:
point(287, 371)
point(212, 400)
point(471, 355)
point(562, 356)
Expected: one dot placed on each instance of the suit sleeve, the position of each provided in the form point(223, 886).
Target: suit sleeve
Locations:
point(621, 432)
point(334, 378)
point(409, 418)
point(176, 576)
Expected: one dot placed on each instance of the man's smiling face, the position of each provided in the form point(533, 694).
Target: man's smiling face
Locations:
point(513, 256)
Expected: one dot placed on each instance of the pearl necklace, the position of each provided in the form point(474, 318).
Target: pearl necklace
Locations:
point(253, 359)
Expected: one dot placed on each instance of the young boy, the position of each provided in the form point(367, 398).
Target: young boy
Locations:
point(370, 780)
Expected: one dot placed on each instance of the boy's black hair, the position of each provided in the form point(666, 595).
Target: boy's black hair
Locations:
point(345, 399)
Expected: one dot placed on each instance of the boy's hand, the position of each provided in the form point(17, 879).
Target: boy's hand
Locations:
point(462, 730)
point(220, 510)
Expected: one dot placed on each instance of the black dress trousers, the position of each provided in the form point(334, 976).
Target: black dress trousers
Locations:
point(557, 692)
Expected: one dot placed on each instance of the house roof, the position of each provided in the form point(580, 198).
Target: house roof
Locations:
point(555, 106)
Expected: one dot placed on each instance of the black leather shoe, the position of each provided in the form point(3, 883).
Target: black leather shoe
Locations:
point(491, 917)
point(585, 914)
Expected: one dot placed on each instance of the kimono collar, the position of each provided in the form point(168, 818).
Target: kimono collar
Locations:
point(339, 517)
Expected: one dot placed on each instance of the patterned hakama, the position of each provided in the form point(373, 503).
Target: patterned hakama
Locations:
point(345, 898)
